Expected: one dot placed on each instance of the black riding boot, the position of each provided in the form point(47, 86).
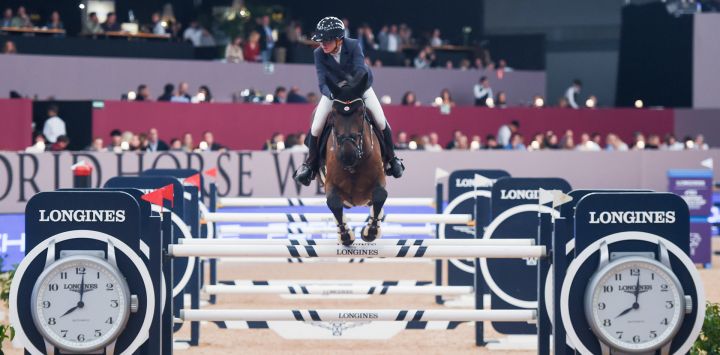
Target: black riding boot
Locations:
point(307, 171)
point(395, 165)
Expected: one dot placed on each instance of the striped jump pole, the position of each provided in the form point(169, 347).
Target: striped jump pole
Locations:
point(299, 289)
point(328, 217)
point(289, 230)
point(339, 315)
point(379, 242)
point(324, 251)
point(231, 260)
point(313, 201)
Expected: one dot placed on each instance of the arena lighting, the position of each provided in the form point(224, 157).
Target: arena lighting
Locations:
point(280, 145)
point(412, 145)
point(438, 101)
point(82, 6)
point(639, 104)
point(269, 98)
point(164, 24)
point(490, 102)
point(591, 102)
point(538, 102)
point(125, 146)
point(386, 100)
point(131, 95)
point(535, 145)
point(200, 97)
point(474, 145)
point(689, 144)
point(640, 145)
point(245, 93)
point(203, 145)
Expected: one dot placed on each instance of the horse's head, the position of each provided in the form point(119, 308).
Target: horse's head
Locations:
point(348, 121)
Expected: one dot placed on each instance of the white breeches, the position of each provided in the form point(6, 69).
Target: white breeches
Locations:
point(325, 106)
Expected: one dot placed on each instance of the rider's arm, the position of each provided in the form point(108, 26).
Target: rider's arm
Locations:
point(358, 62)
point(324, 89)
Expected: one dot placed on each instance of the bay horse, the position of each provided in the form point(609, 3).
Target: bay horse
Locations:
point(354, 168)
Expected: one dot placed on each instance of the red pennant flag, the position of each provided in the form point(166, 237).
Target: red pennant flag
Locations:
point(155, 197)
point(211, 172)
point(193, 180)
point(168, 193)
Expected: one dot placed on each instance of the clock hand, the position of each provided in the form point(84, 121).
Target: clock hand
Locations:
point(82, 287)
point(626, 311)
point(70, 310)
point(637, 288)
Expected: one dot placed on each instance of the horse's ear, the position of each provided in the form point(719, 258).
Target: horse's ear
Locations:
point(334, 89)
point(361, 85)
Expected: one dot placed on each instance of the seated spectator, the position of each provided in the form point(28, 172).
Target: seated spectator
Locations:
point(97, 145)
point(568, 140)
point(478, 64)
point(9, 48)
point(491, 142)
point(378, 63)
point(446, 98)
point(187, 142)
point(482, 92)
point(671, 143)
point(193, 33)
point(700, 143)
point(143, 93)
point(402, 141)
point(435, 39)
point(517, 142)
point(203, 95)
point(276, 142)
point(138, 142)
point(111, 24)
point(158, 25)
point(251, 48)
point(21, 19)
point(92, 25)
point(614, 143)
point(176, 145)
point(432, 145)
point(206, 38)
point(54, 126)
point(295, 143)
point(422, 61)
point(409, 99)
point(39, 145)
point(154, 143)
point(475, 143)
point(552, 141)
point(538, 142)
point(449, 65)
point(456, 138)
point(294, 96)
point(234, 51)
point(462, 143)
point(501, 100)
point(182, 94)
point(61, 144)
point(639, 141)
point(563, 103)
point(502, 66)
point(393, 39)
point(167, 92)
point(312, 98)
point(597, 138)
point(210, 144)
point(586, 144)
point(6, 21)
point(280, 95)
point(116, 141)
point(464, 64)
point(55, 22)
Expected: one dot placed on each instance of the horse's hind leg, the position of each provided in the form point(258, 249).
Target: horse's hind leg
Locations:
point(372, 230)
point(346, 236)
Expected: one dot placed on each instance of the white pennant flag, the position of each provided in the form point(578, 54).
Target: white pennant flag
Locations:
point(440, 174)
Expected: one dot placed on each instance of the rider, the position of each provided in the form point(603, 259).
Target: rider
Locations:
point(341, 59)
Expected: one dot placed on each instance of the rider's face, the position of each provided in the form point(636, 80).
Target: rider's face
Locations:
point(328, 46)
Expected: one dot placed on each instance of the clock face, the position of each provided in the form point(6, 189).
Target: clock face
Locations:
point(80, 303)
point(635, 304)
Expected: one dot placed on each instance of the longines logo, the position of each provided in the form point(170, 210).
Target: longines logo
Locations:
point(631, 288)
point(471, 183)
point(632, 217)
point(359, 315)
point(690, 183)
point(357, 252)
point(519, 194)
point(76, 287)
point(82, 216)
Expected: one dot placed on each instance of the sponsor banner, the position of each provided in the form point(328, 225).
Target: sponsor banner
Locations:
point(700, 241)
point(12, 240)
point(695, 187)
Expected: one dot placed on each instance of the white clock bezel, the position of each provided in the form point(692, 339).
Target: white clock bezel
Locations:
point(122, 286)
point(600, 274)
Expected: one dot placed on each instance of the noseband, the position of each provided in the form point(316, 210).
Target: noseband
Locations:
point(356, 139)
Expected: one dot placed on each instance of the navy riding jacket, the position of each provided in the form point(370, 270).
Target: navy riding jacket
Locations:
point(352, 62)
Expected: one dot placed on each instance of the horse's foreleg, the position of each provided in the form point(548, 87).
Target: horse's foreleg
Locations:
point(372, 230)
point(346, 236)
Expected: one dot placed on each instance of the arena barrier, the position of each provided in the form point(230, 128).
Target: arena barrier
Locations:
point(312, 201)
point(299, 289)
point(379, 242)
point(328, 217)
point(137, 241)
point(226, 230)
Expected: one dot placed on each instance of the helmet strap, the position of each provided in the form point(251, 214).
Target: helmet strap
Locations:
point(338, 43)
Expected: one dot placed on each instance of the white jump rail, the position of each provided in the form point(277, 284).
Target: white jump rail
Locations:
point(225, 230)
point(312, 201)
point(247, 260)
point(344, 315)
point(298, 289)
point(324, 251)
point(328, 217)
point(359, 243)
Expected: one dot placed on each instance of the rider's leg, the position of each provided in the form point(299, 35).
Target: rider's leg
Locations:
point(306, 173)
point(373, 104)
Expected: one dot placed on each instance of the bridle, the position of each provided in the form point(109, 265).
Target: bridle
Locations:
point(356, 139)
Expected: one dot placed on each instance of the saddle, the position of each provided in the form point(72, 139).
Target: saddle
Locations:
point(327, 132)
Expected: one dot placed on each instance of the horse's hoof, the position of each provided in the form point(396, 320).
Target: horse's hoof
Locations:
point(370, 233)
point(346, 237)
